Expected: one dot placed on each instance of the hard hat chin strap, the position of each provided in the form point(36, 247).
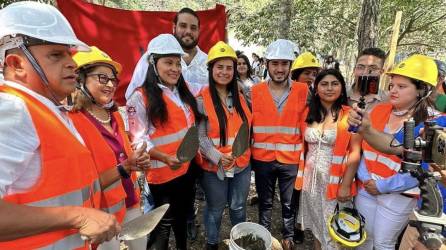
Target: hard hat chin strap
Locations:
point(88, 94)
point(62, 107)
point(152, 61)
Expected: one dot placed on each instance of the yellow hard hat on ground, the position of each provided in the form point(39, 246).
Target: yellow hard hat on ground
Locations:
point(346, 226)
point(221, 50)
point(418, 67)
point(95, 56)
point(305, 60)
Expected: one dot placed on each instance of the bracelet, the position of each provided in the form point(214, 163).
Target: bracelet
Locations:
point(122, 172)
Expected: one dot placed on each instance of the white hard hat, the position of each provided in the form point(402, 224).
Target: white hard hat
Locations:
point(281, 49)
point(36, 20)
point(165, 44)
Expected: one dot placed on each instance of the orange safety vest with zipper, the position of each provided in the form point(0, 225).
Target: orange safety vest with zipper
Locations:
point(277, 136)
point(113, 197)
point(234, 121)
point(167, 138)
point(68, 177)
point(339, 159)
point(380, 165)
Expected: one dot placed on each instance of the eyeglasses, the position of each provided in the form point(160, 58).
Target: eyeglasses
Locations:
point(371, 69)
point(103, 79)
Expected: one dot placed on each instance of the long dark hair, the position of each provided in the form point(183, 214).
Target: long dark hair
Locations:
point(296, 73)
point(317, 112)
point(232, 87)
point(248, 64)
point(421, 112)
point(156, 106)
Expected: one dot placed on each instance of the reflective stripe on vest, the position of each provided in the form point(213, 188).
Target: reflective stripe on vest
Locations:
point(73, 241)
point(229, 141)
point(372, 156)
point(278, 146)
point(338, 159)
point(67, 176)
point(277, 135)
point(115, 208)
point(167, 138)
point(276, 129)
point(73, 198)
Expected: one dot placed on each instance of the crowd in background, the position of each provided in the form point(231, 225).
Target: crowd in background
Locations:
point(71, 159)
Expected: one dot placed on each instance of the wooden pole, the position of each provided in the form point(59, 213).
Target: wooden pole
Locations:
point(384, 82)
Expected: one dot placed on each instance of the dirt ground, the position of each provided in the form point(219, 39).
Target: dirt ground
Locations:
point(252, 215)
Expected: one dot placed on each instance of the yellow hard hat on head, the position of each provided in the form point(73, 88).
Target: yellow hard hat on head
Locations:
point(95, 56)
point(221, 50)
point(305, 60)
point(418, 67)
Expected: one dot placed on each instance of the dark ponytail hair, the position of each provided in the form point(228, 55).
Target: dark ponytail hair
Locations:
point(218, 106)
point(317, 112)
point(156, 106)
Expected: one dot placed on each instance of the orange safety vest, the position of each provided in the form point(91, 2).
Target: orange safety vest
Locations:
point(339, 159)
point(68, 177)
point(380, 165)
point(167, 138)
point(277, 136)
point(234, 121)
point(113, 197)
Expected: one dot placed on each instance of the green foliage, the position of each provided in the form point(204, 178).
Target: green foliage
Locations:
point(329, 26)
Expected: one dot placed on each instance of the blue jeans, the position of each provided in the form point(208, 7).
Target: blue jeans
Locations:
point(147, 198)
point(233, 191)
point(267, 174)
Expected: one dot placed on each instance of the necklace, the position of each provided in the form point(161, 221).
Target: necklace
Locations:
point(106, 121)
point(400, 113)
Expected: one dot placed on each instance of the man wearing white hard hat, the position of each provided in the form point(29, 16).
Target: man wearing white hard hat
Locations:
point(278, 106)
point(48, 183)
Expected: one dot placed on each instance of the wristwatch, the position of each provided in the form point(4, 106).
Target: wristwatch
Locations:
point(122, 172)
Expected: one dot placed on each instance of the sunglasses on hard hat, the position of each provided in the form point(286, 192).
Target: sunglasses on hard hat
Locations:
point(103, 79)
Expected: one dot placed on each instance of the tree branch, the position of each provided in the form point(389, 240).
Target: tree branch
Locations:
point(424, 26)
point(417, 44)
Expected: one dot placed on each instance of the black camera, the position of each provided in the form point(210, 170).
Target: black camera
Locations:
point(368, 85)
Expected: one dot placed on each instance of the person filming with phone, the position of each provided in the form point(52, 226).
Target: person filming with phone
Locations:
point(369, 66)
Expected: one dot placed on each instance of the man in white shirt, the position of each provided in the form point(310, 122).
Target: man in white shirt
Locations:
point(186, 29)
point(35, 58)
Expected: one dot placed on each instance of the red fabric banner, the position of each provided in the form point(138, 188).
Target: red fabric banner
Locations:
point(124, 34)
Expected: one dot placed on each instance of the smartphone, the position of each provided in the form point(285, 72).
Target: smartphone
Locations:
point(368, 85)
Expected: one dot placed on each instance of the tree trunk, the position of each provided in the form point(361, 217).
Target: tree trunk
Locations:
point(285, 14)
point(368, 25)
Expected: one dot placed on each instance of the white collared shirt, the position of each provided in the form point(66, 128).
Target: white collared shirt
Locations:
point(19, 143)
point(139, 125)
point(197, 71)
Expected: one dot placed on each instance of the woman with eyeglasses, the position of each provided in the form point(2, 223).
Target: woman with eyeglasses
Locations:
point(102, 129)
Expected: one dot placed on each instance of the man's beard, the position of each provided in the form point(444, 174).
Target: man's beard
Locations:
point(274, 79)
point(185, 45)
